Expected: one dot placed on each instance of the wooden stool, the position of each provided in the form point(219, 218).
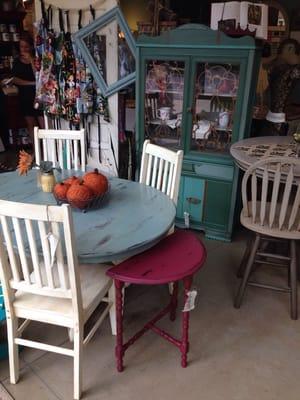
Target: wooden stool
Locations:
point(177, 257)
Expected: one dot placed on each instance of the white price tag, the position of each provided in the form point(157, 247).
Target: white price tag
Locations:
point(53, 241)
point(186, 219)
point(190, 301)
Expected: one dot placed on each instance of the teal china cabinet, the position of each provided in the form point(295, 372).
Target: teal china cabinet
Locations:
point(195, 91)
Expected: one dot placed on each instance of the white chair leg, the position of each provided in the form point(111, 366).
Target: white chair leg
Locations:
point(171, 286)
point(12, 350)
point(78, 347)
point(112, 311)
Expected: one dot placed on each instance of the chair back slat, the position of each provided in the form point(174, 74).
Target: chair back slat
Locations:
point(68, 151)
point(33, 251)
point(149, 168)
point(62, 273)
point(264, 192)
point(46, 253)
point(60, 146)
point(275, 192)
point(76, 152)
point(24, 230)
point(10, 250)
point(21, 249)
point(286, 196)
point(161, 168)
point(245, 201)
point(154, 173)
point(295, 210)
point(60, 152)
point(45, 151)
point(254, 196)
point(165, 177)
point(170, 180)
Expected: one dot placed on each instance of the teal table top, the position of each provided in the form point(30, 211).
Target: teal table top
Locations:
point(133, 218)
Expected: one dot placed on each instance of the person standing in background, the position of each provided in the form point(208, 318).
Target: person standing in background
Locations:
point(284, 72)
point(24, 77)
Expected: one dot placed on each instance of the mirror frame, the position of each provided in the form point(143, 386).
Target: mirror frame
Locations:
point(114, 14)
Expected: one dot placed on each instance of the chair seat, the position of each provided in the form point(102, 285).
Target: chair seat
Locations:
point(94, 285)
point(173, 258)
point(265, 229)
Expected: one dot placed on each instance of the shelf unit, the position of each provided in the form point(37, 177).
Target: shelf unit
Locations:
point(13, 120)
point(9, 48)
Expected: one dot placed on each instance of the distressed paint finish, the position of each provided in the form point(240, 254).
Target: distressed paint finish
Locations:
point(248, 151)
point(175, 258)
point(133, 218)
point(215, 172)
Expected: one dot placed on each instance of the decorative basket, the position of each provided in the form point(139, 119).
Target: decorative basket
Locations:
point(86, 205)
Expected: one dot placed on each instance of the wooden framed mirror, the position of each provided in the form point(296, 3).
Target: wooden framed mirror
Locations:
point(108, 48)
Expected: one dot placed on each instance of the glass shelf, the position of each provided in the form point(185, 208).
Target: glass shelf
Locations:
point(203, 95)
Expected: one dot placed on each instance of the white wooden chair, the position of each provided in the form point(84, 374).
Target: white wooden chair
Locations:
point(161, 169)
point(55, 290)
point(63, 147)
point(271, 210)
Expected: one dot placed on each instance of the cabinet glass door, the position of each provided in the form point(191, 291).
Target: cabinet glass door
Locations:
point(214, 103)
point(164, 87)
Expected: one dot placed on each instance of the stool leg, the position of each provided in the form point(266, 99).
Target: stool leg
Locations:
point(240, 294)
point(119, 319)
point(174, 301)
point(293, 278)
point(241, 270)
point(184, 348)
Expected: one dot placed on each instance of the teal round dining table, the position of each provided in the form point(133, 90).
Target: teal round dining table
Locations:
point(132, 218)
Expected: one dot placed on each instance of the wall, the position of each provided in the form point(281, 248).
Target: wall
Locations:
point(134, 10)
point(108, 130)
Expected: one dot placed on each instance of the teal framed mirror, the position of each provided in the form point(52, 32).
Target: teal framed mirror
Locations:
point(108, 48)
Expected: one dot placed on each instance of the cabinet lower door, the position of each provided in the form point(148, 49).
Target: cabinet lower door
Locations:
point(191, 200)
point(205, 204)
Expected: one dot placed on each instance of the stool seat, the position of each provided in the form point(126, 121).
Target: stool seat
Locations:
point(178, 255)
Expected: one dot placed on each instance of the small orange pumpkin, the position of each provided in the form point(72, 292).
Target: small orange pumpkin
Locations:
point(79, 195)
point(72, 180)
point(60, 190)
point(96, 181)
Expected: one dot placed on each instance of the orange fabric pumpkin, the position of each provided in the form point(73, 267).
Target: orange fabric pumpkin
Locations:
point(97, 182)
point(79, 195)
point(72, 180)
point(60, 190)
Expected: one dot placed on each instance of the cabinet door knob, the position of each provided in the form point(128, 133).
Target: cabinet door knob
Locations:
point(193, 200)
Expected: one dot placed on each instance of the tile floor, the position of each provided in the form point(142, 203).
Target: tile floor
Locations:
point(251, 353)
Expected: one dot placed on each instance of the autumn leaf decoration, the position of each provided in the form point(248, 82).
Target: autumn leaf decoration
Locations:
point(25, 162)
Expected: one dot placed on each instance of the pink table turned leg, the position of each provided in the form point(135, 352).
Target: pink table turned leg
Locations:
point(119, 316)
point(174, 301)
point(184, 348)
